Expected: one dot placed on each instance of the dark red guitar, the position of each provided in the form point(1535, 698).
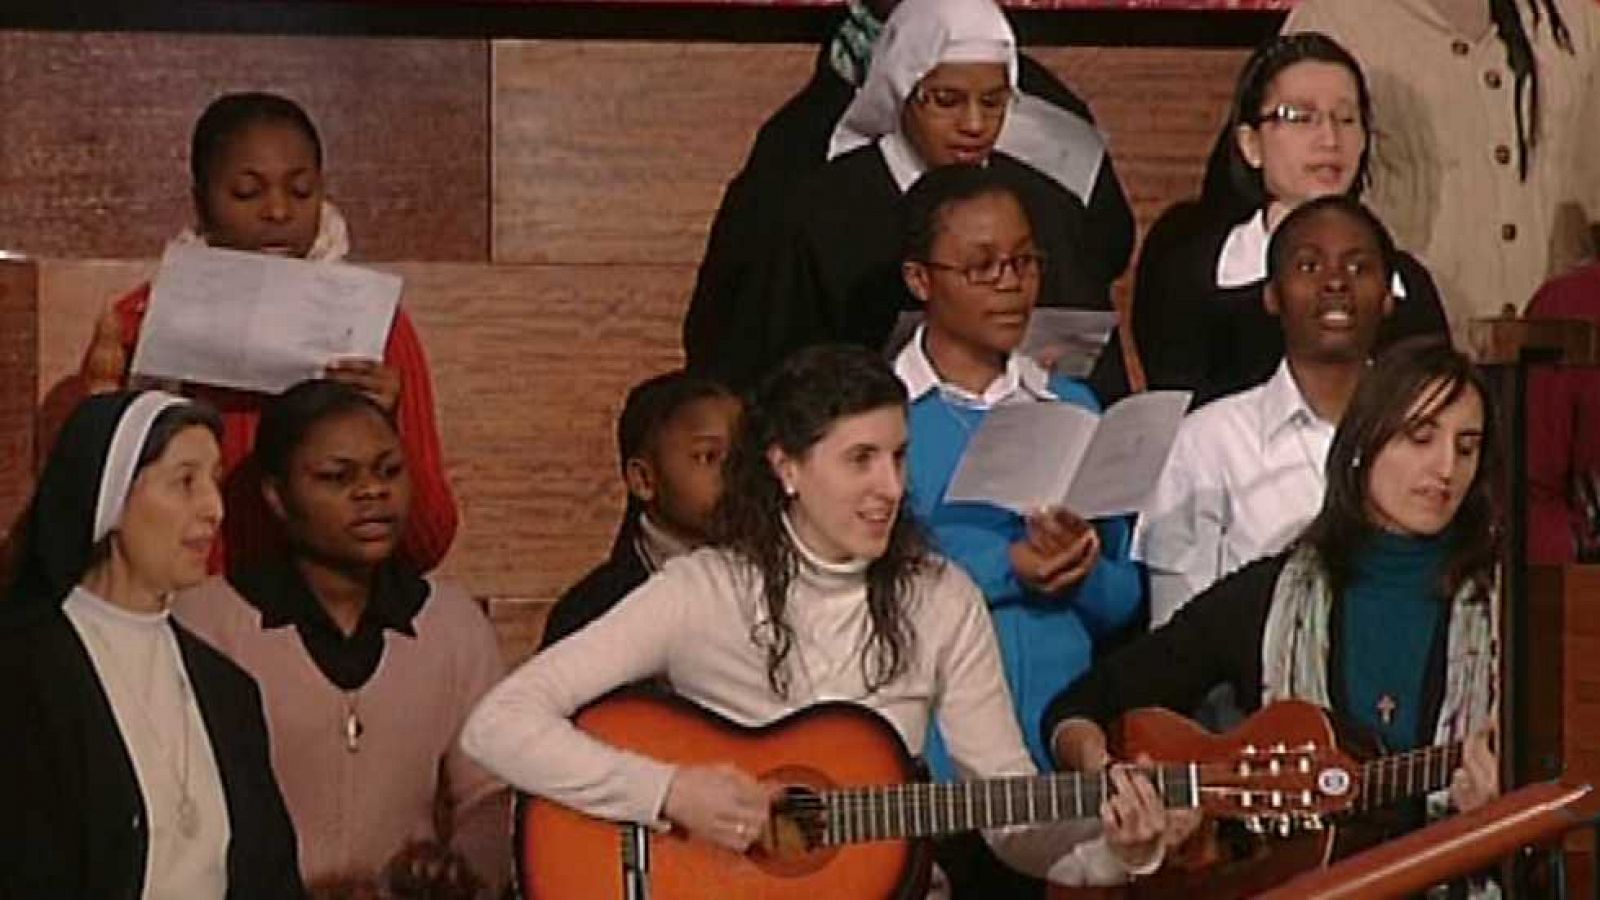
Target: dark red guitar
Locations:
point(850, 822)
point(1279, 839)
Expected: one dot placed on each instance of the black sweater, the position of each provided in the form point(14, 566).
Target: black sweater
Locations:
point(75, 826)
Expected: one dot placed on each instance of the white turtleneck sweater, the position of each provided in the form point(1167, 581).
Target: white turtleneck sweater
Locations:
point(693, 621)
point(136, 658)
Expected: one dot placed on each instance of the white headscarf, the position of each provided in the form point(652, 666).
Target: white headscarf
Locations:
point(919, 36)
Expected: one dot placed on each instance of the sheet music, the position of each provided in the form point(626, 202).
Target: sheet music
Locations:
point(1068, 341)
point(1031, 455)
point(256, 322)
point(1124, 460)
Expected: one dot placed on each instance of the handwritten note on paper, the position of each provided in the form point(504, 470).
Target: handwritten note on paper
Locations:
point(1068, 341)
point(259, 323)
point(1032, 455)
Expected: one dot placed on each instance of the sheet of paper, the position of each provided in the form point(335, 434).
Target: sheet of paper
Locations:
point(1023, 455)
point(1069, 341)
point(259, 323)
point(1125, 458)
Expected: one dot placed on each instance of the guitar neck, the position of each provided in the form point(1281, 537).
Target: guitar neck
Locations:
point(922, 810)
point(1391, 779)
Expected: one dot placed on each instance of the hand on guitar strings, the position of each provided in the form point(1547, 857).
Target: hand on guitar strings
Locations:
point(720, 804)
point(1059, 551)
point(1080, 746)
point(1134, 819)
point(1478, 780)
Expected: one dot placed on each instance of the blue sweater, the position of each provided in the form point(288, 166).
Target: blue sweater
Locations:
point(1046, 641)
point(1391, 617)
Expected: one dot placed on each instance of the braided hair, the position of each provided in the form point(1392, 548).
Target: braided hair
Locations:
point(1520, 59)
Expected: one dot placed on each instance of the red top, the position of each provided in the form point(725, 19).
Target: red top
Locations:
point(250, 534)
point(1563, 422)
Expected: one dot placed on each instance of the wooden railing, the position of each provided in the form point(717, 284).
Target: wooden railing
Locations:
point(1449, 849)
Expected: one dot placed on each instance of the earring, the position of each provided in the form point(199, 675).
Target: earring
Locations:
point(790, 492)
point(1355, 461)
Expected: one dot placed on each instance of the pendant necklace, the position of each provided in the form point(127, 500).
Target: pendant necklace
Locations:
point(353, 728)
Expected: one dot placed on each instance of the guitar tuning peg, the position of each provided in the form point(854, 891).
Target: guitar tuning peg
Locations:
point(1307, 747)
point(1246, 799)
point(1244, 769)
point(1248, 750)
point(1254, 825)
point(1285, 825)
point(1304, 766)
point(1274, 767)
point(1280, 748)
point(1276, 799)
point(1306, 799)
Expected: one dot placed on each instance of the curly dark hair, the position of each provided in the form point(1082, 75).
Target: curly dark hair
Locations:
point(1425, 370)
point(793, 409)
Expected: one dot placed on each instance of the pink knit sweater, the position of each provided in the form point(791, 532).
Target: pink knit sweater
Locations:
point(353, 811)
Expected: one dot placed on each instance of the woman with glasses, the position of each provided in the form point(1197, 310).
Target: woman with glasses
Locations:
point(1489, 163)
point(1054, 582)
point(1299, 129)
point(942, 89)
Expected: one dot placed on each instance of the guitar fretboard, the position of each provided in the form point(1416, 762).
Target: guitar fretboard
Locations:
point(1394, 778)
point(920, 810)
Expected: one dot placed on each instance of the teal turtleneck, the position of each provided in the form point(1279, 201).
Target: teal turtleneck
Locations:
point(1391, 614)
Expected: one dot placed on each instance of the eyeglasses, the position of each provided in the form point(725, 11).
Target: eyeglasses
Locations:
point(949, 103)
point(1301, 117)
point(987, 274)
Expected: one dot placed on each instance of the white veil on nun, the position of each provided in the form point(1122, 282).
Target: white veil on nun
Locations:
point(922, 34)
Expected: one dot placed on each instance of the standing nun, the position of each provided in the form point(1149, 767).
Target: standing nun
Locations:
point(942, 90)
point(137, 766)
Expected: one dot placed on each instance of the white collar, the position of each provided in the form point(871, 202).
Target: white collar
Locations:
point(1243, 260)
point(902, 159)
point(1282, 404)
point(1022, 378)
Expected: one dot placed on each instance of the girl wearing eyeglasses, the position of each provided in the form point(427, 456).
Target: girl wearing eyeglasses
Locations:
point(1489, 163)
point(942, 89)
point(1300, 128)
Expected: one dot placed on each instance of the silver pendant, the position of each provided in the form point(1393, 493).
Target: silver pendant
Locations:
point(188, 818)
point(352, 731)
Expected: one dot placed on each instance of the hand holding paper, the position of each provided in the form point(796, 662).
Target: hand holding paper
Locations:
point(1034, 455)
point(260, 323)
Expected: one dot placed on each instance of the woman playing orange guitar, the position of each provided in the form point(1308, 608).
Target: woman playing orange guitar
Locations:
point(1381, 612)
point(818, 587)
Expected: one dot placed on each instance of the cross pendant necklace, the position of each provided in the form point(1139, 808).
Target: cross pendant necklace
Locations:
point(1387, 706)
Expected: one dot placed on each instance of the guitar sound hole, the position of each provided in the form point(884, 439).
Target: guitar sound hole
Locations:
point(797, 843)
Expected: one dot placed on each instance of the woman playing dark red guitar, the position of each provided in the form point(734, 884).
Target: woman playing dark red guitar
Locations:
point(818, 588)
point(1382, 612)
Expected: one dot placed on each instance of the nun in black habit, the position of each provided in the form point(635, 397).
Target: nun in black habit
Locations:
point(136, 762)
point(942, 89)
point(794, 143)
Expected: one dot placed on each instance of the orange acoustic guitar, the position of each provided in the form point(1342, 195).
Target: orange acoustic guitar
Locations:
point(1275, 843)
point(849, 823)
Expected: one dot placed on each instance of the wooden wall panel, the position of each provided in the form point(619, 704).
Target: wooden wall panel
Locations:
point(19, 364)
point(612, 152)
point(94, 136)
point(609, 152)
point(530, 366)
point(1160, 109)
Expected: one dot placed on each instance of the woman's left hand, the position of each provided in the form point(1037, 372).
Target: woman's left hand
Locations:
point(428, 870)
point(1478, 780)
point(375, 379)
point(1134, 818)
